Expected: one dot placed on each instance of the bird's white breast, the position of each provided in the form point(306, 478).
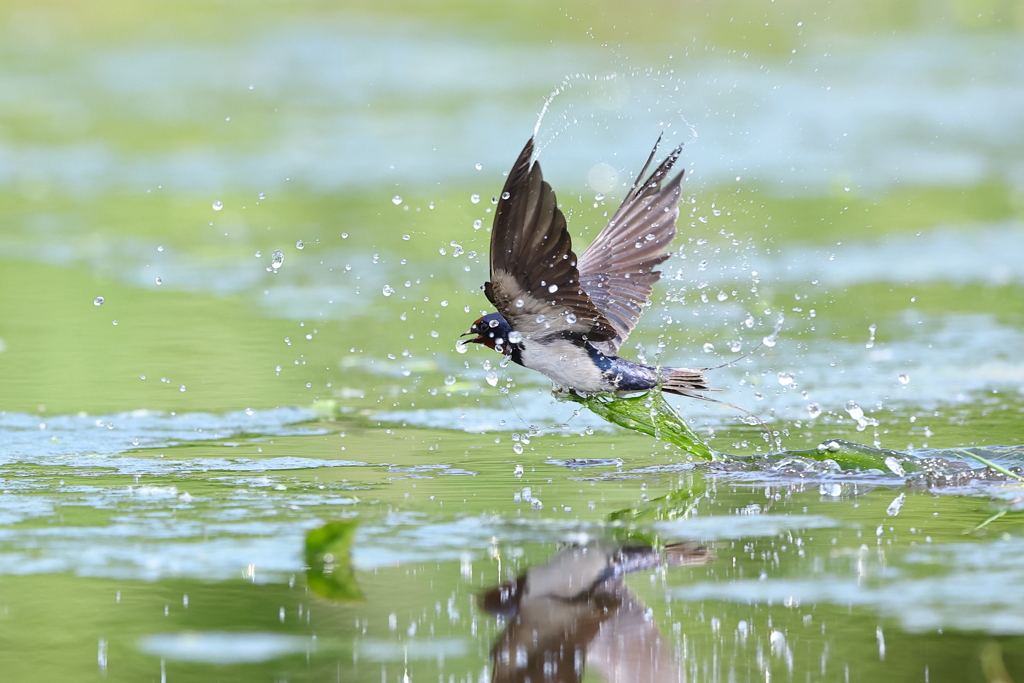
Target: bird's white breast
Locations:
point(566, 364)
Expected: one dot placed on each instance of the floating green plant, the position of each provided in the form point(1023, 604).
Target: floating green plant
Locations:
point(329, 568)
point(649, 414)
point(848, 455)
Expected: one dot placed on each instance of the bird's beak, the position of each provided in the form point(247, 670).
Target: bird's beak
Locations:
point(478, 340)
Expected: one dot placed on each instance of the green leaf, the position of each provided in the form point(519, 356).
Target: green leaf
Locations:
point(329, 563)
point(649, 414)
point(854, 456)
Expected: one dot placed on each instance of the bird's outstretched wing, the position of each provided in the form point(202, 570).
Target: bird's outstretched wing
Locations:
point(617, 269)
point(535, 283)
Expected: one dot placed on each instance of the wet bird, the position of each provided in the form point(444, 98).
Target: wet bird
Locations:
point(568, 317)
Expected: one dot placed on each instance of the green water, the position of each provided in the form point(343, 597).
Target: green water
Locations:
point(855, 169)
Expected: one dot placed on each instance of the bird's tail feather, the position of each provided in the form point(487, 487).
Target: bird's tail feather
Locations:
point(689, 382)
point(684, 382)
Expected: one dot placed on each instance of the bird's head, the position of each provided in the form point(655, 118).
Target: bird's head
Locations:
point(493, 331)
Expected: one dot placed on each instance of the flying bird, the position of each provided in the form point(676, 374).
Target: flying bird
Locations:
point(567, 317)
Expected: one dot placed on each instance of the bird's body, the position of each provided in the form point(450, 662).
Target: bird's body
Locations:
point(567, 318)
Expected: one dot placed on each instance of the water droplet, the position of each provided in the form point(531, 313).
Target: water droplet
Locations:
point(518, 448)
point(477, 224)
point(505, 195)
point(182, 388)
point(492, 378)
point(449, 380)
point(518, 471)
point(735, 346)
point(904, 379)
point(494, 200)
point(748, 322)
point(814, 410)
point(262, 195)
point(475, 198)
point(722, 296)
point(514, 337)
point(217, 205)
point(552, 288)
point(135, 442)
point(396, 200)
point(406, 237)
point(160, 248)
point(785, 378)
point(855, 411)
point(897, 504)
point(778, 643)
point(769, 341)
point(479, 166)
point(276, 259)
point(249, 412)
point(98, 301)
point(299, 244)
point(388, 290)
point(536, 504)
point(598, 197)
point(444, 303)
point(570, 317)
point(159, 281)
point(709, 347)
point(115, 322)
point(461, 346)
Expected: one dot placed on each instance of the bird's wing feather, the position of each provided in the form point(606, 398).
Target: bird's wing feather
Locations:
point(617, 269)
point(535, 283)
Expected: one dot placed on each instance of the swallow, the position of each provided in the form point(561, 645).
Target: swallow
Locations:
point(575, 611)
point(567, 317)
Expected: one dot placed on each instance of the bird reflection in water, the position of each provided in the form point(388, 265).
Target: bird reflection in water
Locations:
point(576, 611)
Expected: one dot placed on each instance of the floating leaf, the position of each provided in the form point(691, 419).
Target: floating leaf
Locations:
point(649, 414)
point(329, 572)
point(854, 456)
